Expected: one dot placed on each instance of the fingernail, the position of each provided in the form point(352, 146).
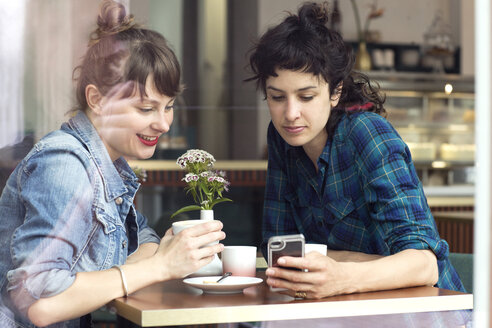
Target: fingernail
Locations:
point(281, 261)
point(269, 271)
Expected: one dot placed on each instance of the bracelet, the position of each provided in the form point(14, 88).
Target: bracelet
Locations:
point(123, 279)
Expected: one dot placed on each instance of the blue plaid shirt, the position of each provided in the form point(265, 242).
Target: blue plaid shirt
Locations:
point(366, 196)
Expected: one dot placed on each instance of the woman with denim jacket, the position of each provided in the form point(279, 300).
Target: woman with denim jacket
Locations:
point(338, 172)
point(71, 239)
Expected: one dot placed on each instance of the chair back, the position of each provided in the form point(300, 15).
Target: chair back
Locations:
point(463, 263)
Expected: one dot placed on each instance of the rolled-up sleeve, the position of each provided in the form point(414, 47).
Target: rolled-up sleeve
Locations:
point(57, 194)
point(145, 233)
point(393, 190)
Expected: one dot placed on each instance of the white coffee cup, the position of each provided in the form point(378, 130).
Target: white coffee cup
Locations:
point(239, 260)
point(213, 268)
point(320, 248)
point(179, 226)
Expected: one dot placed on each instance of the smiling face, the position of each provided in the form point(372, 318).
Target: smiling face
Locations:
point(300, 105)
point(131, 126)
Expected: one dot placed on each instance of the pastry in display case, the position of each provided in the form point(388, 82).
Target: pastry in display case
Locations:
point(450, 152)
point(422, 151)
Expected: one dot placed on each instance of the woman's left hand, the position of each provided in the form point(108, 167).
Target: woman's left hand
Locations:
point(324, 276)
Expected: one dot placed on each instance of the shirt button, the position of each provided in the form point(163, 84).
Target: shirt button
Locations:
point(123, 244)
point(119, 201)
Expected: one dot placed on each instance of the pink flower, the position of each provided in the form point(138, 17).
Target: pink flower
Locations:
point(204, 184)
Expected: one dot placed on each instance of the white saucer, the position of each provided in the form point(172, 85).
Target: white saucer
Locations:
point(230, 285)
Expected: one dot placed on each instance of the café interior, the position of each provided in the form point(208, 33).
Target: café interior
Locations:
point(423, 54)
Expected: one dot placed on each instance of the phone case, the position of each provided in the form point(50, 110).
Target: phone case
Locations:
point(288, 245)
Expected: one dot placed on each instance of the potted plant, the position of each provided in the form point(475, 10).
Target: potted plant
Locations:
point(206, 186)
point(203, 182)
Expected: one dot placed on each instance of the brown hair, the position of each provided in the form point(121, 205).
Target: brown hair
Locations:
point(121, 51)
point(303, 42)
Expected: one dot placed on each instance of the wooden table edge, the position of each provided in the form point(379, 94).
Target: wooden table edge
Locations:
point(292, 311)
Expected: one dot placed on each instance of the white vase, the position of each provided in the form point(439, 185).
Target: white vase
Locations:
point(206, 214)
point(214, 268)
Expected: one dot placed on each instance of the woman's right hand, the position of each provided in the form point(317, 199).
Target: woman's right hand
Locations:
point(182, 254)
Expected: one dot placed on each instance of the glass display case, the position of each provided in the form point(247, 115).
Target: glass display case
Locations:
point(435, 116)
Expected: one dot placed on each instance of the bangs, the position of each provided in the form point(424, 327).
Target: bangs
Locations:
point(161, 64)
point(298, 54)
point(120, 63)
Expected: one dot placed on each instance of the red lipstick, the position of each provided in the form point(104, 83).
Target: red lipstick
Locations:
point(148, 142)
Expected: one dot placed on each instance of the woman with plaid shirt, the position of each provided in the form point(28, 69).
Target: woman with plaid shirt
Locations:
point(338, 172)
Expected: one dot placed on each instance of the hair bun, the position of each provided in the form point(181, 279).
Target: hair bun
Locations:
point(314, 13)
point(112, 19)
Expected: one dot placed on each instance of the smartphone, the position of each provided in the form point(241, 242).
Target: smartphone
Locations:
point(288, 245)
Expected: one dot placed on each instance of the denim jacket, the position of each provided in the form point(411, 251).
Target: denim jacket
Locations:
point(66, 208)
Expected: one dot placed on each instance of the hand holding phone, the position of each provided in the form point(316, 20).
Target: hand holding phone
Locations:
point(288, 245)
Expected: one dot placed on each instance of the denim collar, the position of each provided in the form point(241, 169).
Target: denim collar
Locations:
point(114, 175)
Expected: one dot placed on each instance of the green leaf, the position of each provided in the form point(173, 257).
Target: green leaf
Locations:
point(186, 209)
point(221, 200)
point(205, 189)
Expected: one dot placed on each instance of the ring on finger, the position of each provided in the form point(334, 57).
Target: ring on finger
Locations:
point(300, 295)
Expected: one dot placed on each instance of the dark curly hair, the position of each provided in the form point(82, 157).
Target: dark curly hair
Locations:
point(304, 43)
point(121, 51)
